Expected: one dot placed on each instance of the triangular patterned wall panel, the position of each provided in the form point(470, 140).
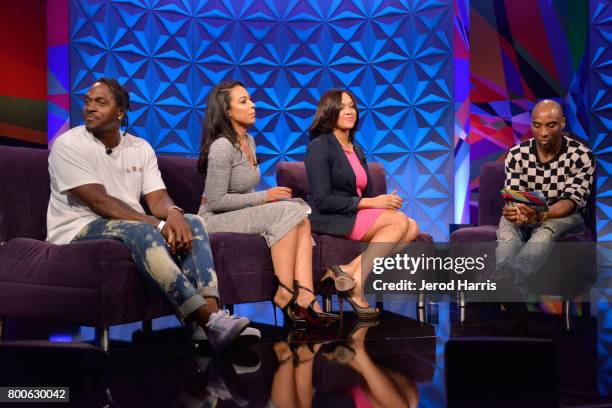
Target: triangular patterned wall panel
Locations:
point(396, 57)
point(600, 126)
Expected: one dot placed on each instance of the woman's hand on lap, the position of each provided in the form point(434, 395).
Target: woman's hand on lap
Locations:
point(385, 201)
point(277, 193)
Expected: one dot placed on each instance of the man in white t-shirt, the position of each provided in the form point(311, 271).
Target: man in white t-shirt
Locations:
point(98, 176)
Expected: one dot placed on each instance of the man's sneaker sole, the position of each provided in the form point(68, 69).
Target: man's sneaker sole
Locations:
point(231, 336)
point(247, 335)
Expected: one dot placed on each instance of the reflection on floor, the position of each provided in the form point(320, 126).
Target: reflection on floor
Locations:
point(394, 362)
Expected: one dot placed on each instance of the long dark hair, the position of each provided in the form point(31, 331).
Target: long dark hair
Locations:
point(328, 110)
point(122, 98)
point(217, 122)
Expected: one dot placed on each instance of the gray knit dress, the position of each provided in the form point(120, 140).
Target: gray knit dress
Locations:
point(232, 203)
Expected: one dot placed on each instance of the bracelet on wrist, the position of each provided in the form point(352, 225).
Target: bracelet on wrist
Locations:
point(175, 207)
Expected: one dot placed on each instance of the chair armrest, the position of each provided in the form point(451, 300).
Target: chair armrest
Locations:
point(454, 227)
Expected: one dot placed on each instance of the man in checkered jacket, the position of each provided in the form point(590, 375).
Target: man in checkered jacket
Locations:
point(562, 169)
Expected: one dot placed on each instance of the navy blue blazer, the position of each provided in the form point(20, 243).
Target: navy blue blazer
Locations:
point(332, 186)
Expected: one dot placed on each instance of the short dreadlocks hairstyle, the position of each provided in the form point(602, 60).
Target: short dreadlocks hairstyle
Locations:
point(122, 98)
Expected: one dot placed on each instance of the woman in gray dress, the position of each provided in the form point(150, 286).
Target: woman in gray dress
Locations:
point(231, 204)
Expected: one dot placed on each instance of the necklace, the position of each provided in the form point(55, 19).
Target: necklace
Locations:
point(348, 146)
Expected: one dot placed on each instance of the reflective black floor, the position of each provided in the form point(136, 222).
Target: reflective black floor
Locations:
point(476, 358)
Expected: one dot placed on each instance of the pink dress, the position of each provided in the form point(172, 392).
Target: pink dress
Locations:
point(360, 399)
point(367, 216)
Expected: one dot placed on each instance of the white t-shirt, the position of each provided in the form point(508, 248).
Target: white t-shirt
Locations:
point(78, 158)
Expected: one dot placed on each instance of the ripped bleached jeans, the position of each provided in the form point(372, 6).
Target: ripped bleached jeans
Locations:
point(513, 256)
point(184, 280)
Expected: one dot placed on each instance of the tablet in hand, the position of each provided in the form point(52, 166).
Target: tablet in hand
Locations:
point(533, 199)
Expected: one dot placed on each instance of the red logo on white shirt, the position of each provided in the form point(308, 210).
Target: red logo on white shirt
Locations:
point(134, 169)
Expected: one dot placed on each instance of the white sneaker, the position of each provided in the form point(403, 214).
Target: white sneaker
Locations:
point(223, 328)
point(248, 333)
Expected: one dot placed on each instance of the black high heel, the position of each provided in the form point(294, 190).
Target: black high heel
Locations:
point(287, 310)
point(362, 312)
point(308, 313)
point(365, 313)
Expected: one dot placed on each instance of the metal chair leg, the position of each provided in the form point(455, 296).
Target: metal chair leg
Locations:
point(567, 314)
point(421, 301)
point(461, 306)
point(461, 299)
point(421, 315)
point(327, 303)
point(420, 312)
point(102, 338)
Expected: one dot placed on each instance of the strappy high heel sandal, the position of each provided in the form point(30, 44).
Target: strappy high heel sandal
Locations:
point(288, 309)
point(343, 282)
point(308, 313)
point(363, 313)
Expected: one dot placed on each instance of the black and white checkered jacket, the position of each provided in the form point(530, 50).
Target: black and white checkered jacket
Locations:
point(567, 176)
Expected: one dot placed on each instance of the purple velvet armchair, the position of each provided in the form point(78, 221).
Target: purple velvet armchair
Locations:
point(576, 271)
point(490, 205)
point(333, 249)
point(95, 283)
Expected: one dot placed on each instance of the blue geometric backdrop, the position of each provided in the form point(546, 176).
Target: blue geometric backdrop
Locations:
point(600, 98)
point(395, 56)
point(600, 125)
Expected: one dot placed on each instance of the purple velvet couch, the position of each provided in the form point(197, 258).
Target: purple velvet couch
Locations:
point(95, 283)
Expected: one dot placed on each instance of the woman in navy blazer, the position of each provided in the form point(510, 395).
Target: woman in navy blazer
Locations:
point(341, 197)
